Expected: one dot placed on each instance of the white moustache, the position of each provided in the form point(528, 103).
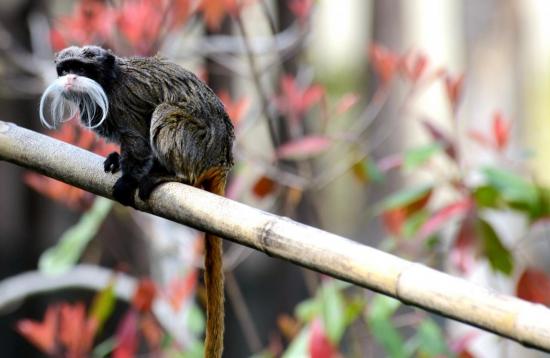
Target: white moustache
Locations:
point(70, 96)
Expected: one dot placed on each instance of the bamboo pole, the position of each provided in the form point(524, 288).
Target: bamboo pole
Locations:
point(412, 283)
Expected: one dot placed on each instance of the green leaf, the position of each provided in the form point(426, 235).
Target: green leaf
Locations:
point(353, 309)
point(367, 170)
point(105, 348)
point(417, 156)
point(63, 256)
point(378, 318)
point(103, 304)
point(498, 255)
point(515, 190)
point(298, 348)
point(486, 197)
point(431, 341)
point(404, 197)
point(414, 223)
point(333, 311)
point(308, 309)
point(195, 319)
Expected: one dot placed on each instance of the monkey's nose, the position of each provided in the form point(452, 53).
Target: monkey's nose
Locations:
point(71, 78)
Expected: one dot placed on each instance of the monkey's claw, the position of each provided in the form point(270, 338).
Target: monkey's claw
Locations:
point(112, 163)
point(124, 189)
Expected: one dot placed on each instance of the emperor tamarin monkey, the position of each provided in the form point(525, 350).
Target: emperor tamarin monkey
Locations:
point(170, 127)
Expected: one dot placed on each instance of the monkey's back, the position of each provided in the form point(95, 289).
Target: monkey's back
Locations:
point(145, 83)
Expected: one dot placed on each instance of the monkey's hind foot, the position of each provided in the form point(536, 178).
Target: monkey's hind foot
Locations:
point(124, 189)
point(151, 181)
point(112, 163)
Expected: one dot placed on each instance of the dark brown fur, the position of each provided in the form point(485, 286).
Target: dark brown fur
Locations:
point(170, 127)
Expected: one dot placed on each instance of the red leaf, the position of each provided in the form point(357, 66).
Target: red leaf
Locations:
point(501, 131)
point(394, 220)
point(454, 86)
point(464, 247)
point(151, 331)
point(438, 135)
point(301, 9)
point(235, 109)
point(91, 22)
point(460, 345)
point(480, 138)
point(263, 187)
point(346, 102)
point(304, 147)
point(534, 286)
point(414, 65)
point(384, 62)
point(443, 215)
point(140, 22)
point(295, 101)
point(181, 288)
point(126, 336)
point(214, 11)
point(76, 332)
point(319, 344)
point(41, 334)
point(144, 295)
point(181, 9)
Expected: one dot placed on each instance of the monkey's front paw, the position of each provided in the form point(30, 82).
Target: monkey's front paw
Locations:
point(124, 189)
point(112, 163)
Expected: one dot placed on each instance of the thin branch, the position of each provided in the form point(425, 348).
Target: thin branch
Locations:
point(318, 250)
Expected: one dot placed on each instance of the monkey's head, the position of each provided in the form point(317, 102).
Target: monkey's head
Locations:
point(85, 75)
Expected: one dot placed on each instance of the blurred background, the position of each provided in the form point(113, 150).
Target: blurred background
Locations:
point(419, 127)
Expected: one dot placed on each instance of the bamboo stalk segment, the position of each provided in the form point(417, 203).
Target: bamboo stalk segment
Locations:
point(318, 250)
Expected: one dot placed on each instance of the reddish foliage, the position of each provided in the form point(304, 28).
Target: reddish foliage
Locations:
point(235, 109)
point(438, 135)
point(181, 288)
point(319, 344)
point(465, 246)
point(144, 295)
point(74, 198)
point(263, 187)
point(384, 62)
point(454, 86)
point(151, 331)
point(346, 102)
point(414, 65)
point(395, 218)
point(460, 346)
point(91, 22)
point(126, 336)
point(140, 21)
point(301, 9)
point(76, 331)
point(500, 134)
point(501, 131)
point(295, 101)
point(443, 215)
point(66, 323)
point(214, 11)
point(304, 147)
point(534, 285)
point(41, 334)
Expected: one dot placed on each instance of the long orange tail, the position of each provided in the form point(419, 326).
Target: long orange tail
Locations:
point(214, 281)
